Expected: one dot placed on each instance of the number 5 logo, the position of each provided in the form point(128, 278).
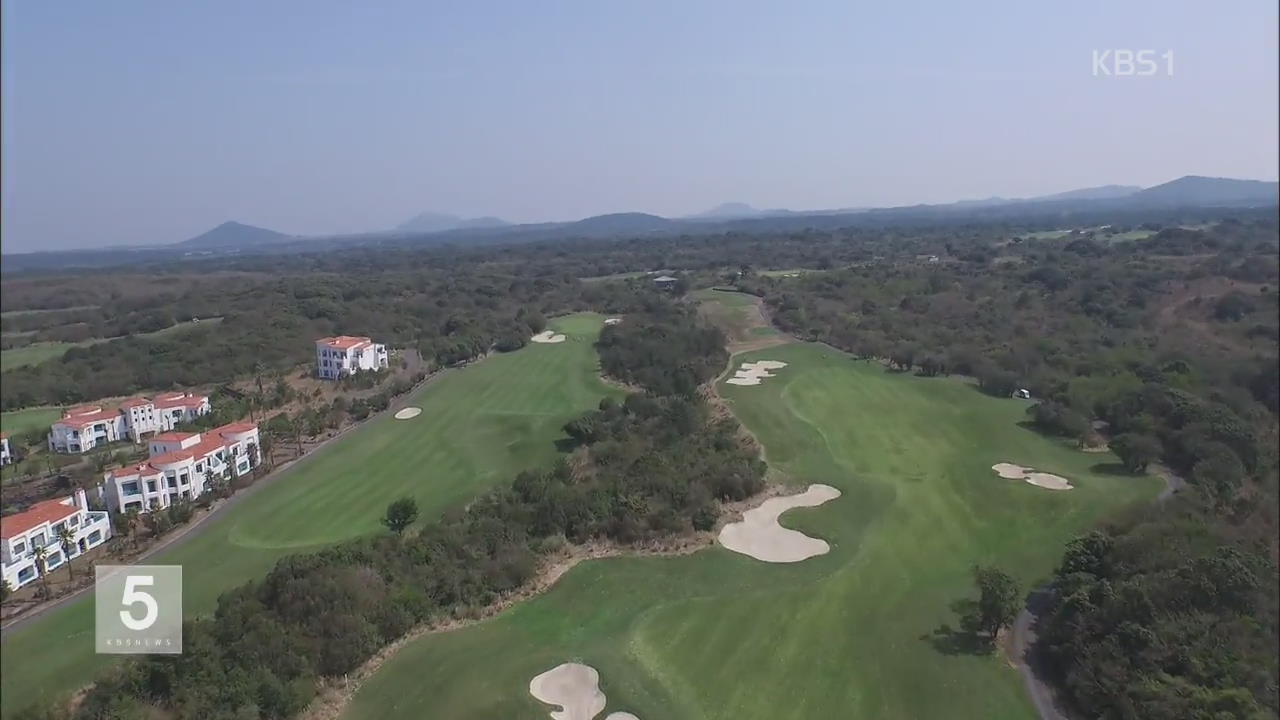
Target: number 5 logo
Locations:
point(132, 596)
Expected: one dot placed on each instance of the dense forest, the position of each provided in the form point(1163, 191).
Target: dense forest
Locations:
point(653, 467)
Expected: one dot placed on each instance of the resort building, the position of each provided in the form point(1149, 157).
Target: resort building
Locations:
point(182, 466)
point(86, 427)
point(39, 527)
point(6, 456)
point(345, 355)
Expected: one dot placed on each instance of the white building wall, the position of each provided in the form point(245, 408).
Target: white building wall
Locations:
point(17, 558)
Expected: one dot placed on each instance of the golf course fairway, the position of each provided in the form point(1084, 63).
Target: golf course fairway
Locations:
point(849, 634)
point(480, 426)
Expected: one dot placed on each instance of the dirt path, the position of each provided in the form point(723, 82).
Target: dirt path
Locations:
point(193, 529)
point(1023, 652)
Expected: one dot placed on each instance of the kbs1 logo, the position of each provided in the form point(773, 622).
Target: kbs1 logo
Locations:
point(1132, 63)
point(138, 609)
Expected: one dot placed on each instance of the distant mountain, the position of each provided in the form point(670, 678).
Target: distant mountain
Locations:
point(725, 211)
point(486, 222)
point(1207, 191)
point(1102, 192)
point(632, 222)
point(429, 222)
point(233, 234)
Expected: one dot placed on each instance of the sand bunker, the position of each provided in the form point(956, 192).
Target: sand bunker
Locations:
point(759, 535)
point(1048, 481)
point(612, 321)
point(548, 336)
point(575, 688)
point(409, 412)
point(752, 372)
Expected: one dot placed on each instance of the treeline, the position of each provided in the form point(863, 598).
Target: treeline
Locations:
point(653, 467)
point(1172, 615)
point(663, 349)
point(449, 317)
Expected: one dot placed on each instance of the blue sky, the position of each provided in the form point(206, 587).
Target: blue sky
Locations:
point(133, 122)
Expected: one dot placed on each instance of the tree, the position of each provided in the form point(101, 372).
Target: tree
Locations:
point(401, 514)
point(5, 590)
point(41, 556)
point(1219, 473)
point(998, 599)
point(1136, 450)
point(67, 539)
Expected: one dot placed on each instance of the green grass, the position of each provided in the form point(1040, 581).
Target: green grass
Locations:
point(20, 421)
point(36, 353)
point(478, 428)
point(719, 635)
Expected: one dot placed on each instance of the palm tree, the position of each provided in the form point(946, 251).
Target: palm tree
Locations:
point(42, 556)
point(67, 540)
point(131, 521)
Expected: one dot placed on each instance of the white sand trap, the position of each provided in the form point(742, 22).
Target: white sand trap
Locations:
point(620, 716)
point(409, 412)
point(574, 687)
point(752, 372)
point(1048, 481)
point(759, 535)
point(612, 321)
point(548, 336)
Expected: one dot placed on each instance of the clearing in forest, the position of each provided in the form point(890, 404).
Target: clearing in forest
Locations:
point(480, 426)
point(860, 632)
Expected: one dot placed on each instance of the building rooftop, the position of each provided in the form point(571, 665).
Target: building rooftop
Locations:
point(49, 511)
point(80, 420)
point(344, 342)
point(164, 402)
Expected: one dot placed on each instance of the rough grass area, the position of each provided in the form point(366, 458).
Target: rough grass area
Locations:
point(36, 353)
point(20, 421)
point(856, 633)
point(479, 426)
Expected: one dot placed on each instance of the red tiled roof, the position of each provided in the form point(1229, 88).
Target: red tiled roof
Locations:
point(134, 470)
point(173, 437)
point(81, 410)
point(88, 419)
point(3, 434)
point(134, 402)
point(345, 342)
point(194, 401)
point(235, 428)
point(49, 511)
point(198, 450)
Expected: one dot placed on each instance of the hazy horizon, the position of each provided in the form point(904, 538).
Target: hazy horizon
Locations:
point(152, 123)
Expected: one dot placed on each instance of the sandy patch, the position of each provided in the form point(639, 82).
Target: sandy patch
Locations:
point(751, 373)
point(409, 412)
point(1048, 481)
point(575, 688)
point(612, 321)
point(548, 336)
point(759, 535)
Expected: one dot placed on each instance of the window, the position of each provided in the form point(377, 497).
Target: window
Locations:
point(151, 486)
point(73, 521)
point(19, 548)
point(38, 540)
point(199, 467)
point(95, 537)
point(26, 574)
point(129, 488)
